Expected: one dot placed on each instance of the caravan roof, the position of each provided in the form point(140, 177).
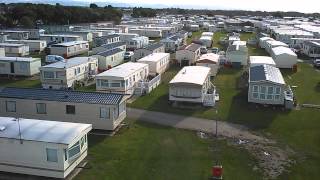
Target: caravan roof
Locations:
point(123, 70)
point(283, 50)
point(192, 75)
point(40, 130)
point(154, 57)
point(266, 73)
point(21, 59)
point(67, 63)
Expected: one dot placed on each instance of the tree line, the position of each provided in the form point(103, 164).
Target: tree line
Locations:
point(30, 15)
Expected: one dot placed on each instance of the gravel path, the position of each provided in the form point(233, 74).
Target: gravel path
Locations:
point(225, 129)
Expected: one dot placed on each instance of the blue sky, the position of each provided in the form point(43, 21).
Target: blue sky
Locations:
point(308, 6)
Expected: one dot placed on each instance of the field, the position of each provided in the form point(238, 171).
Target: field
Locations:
point(145, 151)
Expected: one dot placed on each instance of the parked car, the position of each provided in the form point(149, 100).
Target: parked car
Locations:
point(128, 55)
point(203, 50)
point(53, 59)
point(316, 63)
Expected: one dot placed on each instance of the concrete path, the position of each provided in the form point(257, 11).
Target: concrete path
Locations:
point(225, 129)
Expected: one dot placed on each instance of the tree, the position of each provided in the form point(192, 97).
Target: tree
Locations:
point(26, 22)
point(93, 6)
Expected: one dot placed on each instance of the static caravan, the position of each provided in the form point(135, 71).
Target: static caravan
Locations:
point(210, 60)
point(266, 85)
point(86, 35)
point(104, 111)
point(151, 48)
point(158, 62)
point(261, 60)
point(237, 53)
point(20, 66)
point(59, 38)
point(34, 45)
point(127, 36)
point(188, 55)
point(123, 78)
point(64, 74)
point(194, 27)
point(42, 148)
point(192, 84)
point(172, 43)
point(311, 49)
point(16, 34)
point(272, 44)
point(111, 38)
point(137, 42)
point(151, 33)
point(15, 50)
point(263, 40)
point(69, 49)
point(106, 47)
point(232, 39)
point(109, 59)
point(206, 41)
point(284, 57)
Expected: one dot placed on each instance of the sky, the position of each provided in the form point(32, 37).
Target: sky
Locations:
point(307, 6)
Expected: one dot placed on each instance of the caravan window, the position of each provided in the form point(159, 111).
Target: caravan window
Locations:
point(104, 112)
point(255, 91)
point(48, 75)
point(41, 108)
point(11, 106)
point(23, 66)
point(74, 150)
point(70, 109)
point(52, 155)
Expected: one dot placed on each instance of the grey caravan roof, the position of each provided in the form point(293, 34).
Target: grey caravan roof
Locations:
point(113, 45)
point(152, 47)
point(266, 73)
point(110, 52)
point(61, 95)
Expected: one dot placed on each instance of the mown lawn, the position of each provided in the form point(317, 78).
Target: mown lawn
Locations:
point(195, 36)
point(145, 151)
point(20, 82)
point(216, 38)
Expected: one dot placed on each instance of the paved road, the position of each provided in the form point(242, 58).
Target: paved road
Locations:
point(225, 129)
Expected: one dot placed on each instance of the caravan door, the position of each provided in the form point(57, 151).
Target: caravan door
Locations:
point(12, 67)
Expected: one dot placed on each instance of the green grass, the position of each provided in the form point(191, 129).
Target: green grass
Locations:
point(21, 82)
point(146, 151)
point(216, 39)
point(91, 88)
point(195, 36)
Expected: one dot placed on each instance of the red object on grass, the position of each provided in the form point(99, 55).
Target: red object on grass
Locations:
point(217, 171)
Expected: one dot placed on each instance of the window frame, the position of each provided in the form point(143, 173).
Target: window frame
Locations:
point(15, 106)
point(45, 108)
point(74, 109)
point(55, 155)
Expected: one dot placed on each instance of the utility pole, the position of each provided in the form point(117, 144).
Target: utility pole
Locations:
point(217, 168)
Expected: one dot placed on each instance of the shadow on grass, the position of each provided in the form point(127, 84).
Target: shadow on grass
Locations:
point(253, 116)
point(317, 87)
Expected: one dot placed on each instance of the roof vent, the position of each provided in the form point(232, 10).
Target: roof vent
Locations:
point(2, 128)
